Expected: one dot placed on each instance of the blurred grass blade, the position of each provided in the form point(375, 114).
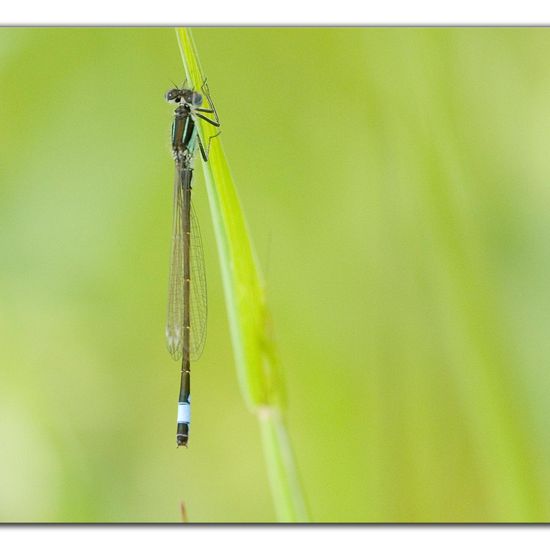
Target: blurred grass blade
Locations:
point(253, 347)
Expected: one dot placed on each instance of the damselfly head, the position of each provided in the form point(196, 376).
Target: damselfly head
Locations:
point(189, 97)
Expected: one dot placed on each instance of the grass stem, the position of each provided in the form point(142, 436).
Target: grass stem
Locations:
point(249, 322)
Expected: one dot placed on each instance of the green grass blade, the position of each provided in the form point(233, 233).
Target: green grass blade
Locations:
point(253, 347)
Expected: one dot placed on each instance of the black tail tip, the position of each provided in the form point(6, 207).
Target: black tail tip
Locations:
point(183, 435)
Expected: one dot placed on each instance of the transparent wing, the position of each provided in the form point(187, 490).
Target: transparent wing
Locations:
point(199, 297)
point(175, 327)
point(174, 317)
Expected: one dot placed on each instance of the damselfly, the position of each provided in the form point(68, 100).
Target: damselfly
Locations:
point(187, 305)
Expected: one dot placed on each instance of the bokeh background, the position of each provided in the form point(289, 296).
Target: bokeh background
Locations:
point(397, 187)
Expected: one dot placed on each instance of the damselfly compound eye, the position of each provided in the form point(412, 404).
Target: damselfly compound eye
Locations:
point(173, 95)
point(192, 98)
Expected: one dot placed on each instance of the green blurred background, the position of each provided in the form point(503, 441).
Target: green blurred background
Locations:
point(397, 187)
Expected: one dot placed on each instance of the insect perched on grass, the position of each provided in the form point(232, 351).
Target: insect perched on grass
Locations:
point(187, 303)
